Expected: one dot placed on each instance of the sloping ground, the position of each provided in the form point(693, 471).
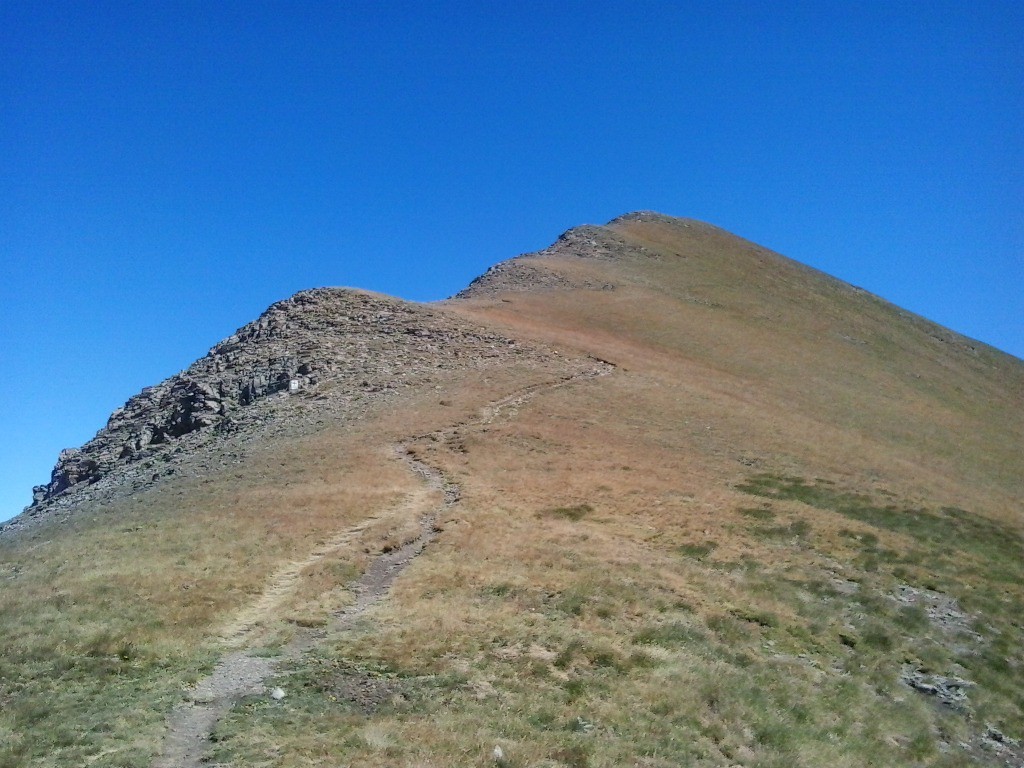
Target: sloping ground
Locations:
point(803, 368)
point(784, 530)
point(332, 351)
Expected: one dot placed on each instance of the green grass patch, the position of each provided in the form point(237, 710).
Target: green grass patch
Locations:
point(760, 617)
point(798, 529)
point(999, 551)
point(976, 563)
point(671, 635)
point(576, 512)
point(502, 589)
point(757, 513)
point(697, 551)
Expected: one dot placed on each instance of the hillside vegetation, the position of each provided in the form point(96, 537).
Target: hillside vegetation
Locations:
point(702, 505)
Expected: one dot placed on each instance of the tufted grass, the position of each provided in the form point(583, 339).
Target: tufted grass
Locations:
point(694, 561)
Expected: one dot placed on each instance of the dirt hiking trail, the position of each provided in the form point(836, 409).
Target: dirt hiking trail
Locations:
point(241, 672)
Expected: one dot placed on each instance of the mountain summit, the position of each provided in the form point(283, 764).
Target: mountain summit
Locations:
point(654, 495)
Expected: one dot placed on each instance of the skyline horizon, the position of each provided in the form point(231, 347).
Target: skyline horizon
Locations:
point(1019, 358)
point(168, 172)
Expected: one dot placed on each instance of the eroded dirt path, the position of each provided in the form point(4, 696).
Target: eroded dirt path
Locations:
point(282, 585)
point(241, 672)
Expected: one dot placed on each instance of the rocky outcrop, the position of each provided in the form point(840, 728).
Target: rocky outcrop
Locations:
point(526, 273)
point(72, 468)
point(533, 272)
point(328, 338)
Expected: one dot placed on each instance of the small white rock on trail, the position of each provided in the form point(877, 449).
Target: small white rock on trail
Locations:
point(240, 672)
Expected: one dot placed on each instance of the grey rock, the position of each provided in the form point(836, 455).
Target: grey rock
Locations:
point(943, 611)
point(347, 349)
point(950, 691)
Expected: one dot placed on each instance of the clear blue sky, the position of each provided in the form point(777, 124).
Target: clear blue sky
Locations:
point(169, 169)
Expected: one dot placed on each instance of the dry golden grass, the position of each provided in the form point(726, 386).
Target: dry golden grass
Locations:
point(599, 598)
point(142, 590)
point(614, 588)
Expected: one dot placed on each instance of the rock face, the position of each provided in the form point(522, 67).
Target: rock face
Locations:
point(532, 272)
point(353, 342)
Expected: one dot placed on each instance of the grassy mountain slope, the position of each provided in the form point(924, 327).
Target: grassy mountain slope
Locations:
point(784, 529)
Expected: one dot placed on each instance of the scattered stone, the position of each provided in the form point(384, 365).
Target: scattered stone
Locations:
point(949, 691)
point(528, 272)
point(943, 611)
point(993, 747)
point(277, 694)
point(845, 586)
point(581, 725)
point(994, 734)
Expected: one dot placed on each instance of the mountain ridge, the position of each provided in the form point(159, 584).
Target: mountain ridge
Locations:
point(232, 375)
point(368, 343)
point(654, 495)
